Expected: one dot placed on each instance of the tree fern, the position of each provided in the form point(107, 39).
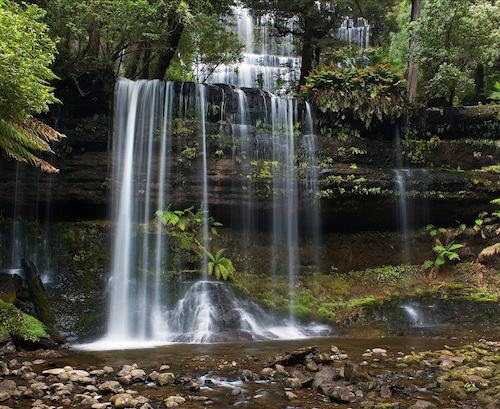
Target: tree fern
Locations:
point(19, 140)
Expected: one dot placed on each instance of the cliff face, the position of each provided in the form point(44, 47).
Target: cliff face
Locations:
point(444, 165)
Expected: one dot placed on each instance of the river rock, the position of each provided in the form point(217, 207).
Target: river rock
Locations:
point(294, 383)
point(385, 391)
point(54, 371)
point(121, 400)
point(341, 394)
point(33, 393)
point(483, 371)
point(322, 358)
point(4, 396)
point(175, 398)
point(4, 369)
point(422, 404)
point(165, 378)
point(334, 350)
point(111, 386)
point(280, 372)
point(138, 375)
point(8, 385)
point(235, 392)
point(100, 405)
point(290, 395)
point(267, 373)
point(311, 366)
point(84, 399)
point(328, 374)
point(247, 375)
point(355, 375)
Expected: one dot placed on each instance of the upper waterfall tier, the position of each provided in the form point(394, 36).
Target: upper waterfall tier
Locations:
point(268, 63)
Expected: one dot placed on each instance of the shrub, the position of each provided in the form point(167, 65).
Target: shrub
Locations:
point(368, 94)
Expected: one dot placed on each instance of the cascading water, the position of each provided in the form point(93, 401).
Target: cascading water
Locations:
point(147, 308)
point(145, 115)
point(412, 207)
point(355, 31)
point(267, 64)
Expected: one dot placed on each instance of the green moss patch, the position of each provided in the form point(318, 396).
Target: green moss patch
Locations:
point(20, 325)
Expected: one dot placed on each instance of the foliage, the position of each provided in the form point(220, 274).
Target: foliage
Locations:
point(26, 52)
point(390, 272)
point(313, 24)
point(444, 251)
point(366, 94)
point(186, 232)
point(219, 266)
point(137, 39)
point(19, 324)
point(212, 45)
point(495, 95)
point(453, 37)
point(482, 296)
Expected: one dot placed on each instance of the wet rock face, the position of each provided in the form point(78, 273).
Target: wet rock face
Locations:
point(82, 190)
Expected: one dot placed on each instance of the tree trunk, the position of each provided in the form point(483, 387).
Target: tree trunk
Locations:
point(307, 44)
point(168, 52)
point(133, 60)
point(93, 45)
point(416, 9)
point(479, 82)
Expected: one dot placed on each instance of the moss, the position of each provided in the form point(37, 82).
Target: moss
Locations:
point(453, 286)
point(20, 325)
point(426, 293)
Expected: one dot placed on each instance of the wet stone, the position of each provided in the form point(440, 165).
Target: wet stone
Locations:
point(341, 394)
point(165, 378)
point(235, 392)
point(121, 400)
point(111, 386)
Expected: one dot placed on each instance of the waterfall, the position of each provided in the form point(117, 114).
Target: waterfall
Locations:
point(355, 31)
point(268, 63)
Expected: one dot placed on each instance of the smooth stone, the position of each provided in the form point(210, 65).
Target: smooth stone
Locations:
point(54, 371)
point(165, 378)
point(175, 398)
point(121, 400)
point(111, 386)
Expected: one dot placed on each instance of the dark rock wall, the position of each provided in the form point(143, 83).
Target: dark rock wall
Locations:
point(357, 176)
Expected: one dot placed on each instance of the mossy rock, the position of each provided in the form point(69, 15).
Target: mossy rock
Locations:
point(20, 326)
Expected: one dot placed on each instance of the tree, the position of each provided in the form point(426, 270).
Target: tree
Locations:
point(315, 23)
point(308, 21)
point(454, 38)
point(26, 52)
point(416, 11)
point(138, 39)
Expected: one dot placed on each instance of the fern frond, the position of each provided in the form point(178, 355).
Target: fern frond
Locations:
point(18, 138)
point(490, 250)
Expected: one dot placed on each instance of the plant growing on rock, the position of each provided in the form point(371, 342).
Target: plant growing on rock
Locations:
point(367, 94)
point(218, 266)
point(185, 230)
point(445, 247)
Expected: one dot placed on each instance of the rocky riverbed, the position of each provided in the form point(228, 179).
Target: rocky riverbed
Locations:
point(466, 376)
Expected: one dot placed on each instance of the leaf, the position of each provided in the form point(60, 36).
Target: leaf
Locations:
point(439, 261)
point(219, 253)
point(454, 246)
point(210, 268)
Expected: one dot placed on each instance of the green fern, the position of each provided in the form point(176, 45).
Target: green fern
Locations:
point(220, 267)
